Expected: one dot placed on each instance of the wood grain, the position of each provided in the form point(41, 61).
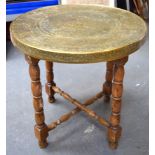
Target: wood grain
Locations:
point(89, 112)
point(50, 81)
point(108, 81)
point(114, 131)
point(41, 130)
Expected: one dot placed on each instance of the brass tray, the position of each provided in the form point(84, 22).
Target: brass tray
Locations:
point(78, 33)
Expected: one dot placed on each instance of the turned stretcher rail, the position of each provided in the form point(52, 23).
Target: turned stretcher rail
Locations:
point(80, 107)
point(67, 116)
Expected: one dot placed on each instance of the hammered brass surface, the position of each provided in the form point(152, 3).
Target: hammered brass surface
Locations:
point(78, 33)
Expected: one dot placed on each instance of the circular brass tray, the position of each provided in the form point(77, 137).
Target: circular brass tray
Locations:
point(78, 33)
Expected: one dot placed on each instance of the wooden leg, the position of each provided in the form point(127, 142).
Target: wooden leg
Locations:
point(40, 129)
point(107, 86)
point(114, 131)
point(50, 82)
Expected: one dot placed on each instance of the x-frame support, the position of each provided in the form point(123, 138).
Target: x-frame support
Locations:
point(80, 107)
point(113, 85)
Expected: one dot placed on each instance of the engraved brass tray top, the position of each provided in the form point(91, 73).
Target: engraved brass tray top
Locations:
point(78, 33)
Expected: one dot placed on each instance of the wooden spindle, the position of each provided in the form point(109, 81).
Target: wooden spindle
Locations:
point(107, 86)
point(50, 81)
point(89, 112)
point(67, 116)
point(114, 131)
point(41, 130)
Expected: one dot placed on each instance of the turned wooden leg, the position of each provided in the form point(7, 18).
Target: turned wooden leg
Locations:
point(50, 82)
point(107, 86)
point(114, 131)
point(40, 129)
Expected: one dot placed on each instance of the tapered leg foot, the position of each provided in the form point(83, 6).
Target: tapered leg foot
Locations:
point(43, 144)
point(51, 99)
point(114, 135)
point(41, 134)
point(113, 145)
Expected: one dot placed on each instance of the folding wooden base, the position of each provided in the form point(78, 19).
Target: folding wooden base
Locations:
point(113, 85)
point(80, 107)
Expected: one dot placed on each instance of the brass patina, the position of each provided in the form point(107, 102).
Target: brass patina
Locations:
point(78, 33)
